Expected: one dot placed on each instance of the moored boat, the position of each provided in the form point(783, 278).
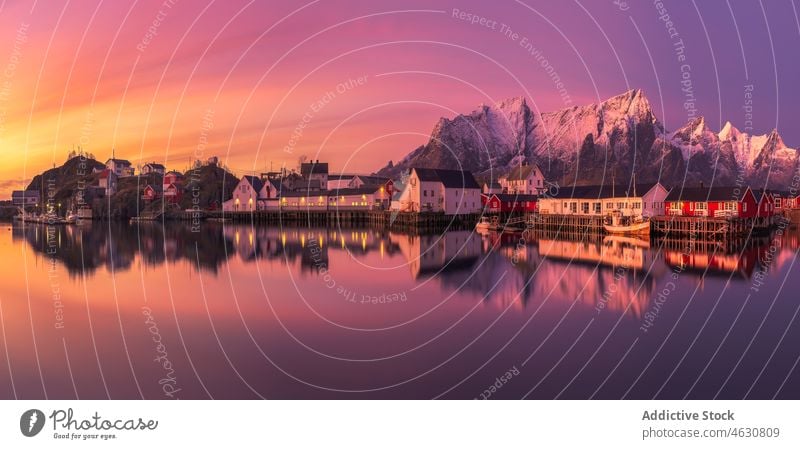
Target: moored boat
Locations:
point(627, 225)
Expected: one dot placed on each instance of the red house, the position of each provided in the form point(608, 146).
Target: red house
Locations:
point(701, 201)
point(785, 201)
point(151, 192)
point(509, 202)
point(172, 188)
point(766, 203)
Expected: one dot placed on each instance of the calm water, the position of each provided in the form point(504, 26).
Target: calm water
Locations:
point(121, 311)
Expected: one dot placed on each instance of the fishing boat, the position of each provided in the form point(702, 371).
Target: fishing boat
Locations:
point(619, 224)
point(487, 224)
point(483, 224)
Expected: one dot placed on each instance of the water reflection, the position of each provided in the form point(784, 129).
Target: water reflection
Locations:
point(617, 273)
point(247, 311)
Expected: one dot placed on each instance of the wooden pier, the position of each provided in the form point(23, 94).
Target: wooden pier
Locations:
point(580, 224)
point(381, 219)
point(706, 228)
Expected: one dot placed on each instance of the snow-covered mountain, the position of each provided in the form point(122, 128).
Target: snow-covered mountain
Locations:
point(591, 144)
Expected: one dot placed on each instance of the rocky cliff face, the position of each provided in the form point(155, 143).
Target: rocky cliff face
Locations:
point(593, 143)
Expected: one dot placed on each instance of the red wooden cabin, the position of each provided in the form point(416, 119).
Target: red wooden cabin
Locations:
point(509, 202)
point(711, 202)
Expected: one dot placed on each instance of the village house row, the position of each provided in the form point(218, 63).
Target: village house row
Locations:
point(523, 190)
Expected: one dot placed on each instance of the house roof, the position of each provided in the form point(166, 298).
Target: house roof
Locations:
point(156, 187)
point(154, 165)
point(254, 181)
point(728, 193)
point(313, 168)
point(449, 178)
point(340, 176)
point(514, 197)
point(521, 172)
point(604, 191)
point(373, 180)
point(119, 161)
point(492, 185)
point(760, 193)
point(25, 193)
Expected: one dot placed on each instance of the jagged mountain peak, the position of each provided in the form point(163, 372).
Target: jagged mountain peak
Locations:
point(773, 138)
point(583, 144)
point(633, 102)
point(729, 132)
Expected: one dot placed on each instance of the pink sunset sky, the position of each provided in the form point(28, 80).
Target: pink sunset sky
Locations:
point(360, 83)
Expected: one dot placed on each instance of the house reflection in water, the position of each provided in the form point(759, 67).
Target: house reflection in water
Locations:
point(615, 273)
point(429, 255)
point(503, 270)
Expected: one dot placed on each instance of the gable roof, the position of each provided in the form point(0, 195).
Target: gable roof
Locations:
point(254, 181)
point(728, 193)
point(25, 193)
point(521, 172)
point(340, 177)
point(761, 193)
point(118, 161)
point(604, 191)
point(154, 165)
point(373, 180)
point(449, 178)
point(507, 197)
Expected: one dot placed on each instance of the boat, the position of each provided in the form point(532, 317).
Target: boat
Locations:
point(487, 224)
point(620, 224)
point(483, 224)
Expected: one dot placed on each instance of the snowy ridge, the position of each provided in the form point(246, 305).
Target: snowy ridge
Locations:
point(592, 143)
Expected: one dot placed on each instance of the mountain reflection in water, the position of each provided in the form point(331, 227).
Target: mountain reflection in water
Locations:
point(270, 292)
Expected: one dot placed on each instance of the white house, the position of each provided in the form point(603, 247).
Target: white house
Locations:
point(120, 167)
point(339, 181)
point(152, 167)
point(453, 192)
point(525, 179)
point(246, 195)
point(632, 200)
point(25, 197)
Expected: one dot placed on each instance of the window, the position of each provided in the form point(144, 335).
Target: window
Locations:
point(700, 206)
point(609, 205)
point(424, 193)
point(619, 205)
point(744, 207)
point(597, 208)
point(573, 207)
point(585, 207)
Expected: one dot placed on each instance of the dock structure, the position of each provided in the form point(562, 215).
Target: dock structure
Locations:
point(703, 228)
point(381, 219)
point(566, 223)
